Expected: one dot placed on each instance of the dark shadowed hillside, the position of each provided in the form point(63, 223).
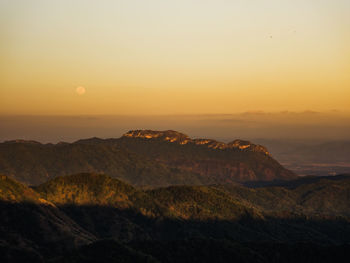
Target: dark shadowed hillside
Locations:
point(312, 196)
point(33, 225)
point(67, 215)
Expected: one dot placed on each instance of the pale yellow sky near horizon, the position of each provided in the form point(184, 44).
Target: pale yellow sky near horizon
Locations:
point(173, 57)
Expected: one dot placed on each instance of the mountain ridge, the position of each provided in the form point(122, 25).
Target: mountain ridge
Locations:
point(181, 138)
point(143, 158)
point(88, 208)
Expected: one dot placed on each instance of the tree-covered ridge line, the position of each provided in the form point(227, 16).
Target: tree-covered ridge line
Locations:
point(69, 214)
point(314, 196)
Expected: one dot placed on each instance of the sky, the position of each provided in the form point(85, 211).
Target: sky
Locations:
point(159, 57)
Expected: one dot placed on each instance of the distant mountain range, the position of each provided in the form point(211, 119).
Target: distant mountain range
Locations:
point(94, 217)
point(143, 158)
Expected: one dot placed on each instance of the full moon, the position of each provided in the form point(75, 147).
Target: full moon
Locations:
point(80, 90)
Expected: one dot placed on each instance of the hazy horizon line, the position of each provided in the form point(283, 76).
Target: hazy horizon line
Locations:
point(306, 111)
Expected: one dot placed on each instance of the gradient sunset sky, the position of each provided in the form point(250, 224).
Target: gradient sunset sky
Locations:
point(133, 57)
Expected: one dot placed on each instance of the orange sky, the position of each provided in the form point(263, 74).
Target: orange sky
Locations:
point(173, 57)
point(310, 126)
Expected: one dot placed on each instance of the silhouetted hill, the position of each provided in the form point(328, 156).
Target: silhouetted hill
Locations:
point(206, 250)
point(221, 251)
point(106, 251)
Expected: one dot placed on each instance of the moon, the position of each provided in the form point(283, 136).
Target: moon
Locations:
point(80, 90)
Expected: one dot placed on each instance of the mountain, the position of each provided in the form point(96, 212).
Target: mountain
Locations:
point(310, 196)
point(105, 206)
point(143, 158)
point(221, 163)
point(13, 191)
point(33, 225)
point(214, 250)
point(87, 215)
point(94, 189)
point(202, 203)
point(106, 251)
point(34, 163)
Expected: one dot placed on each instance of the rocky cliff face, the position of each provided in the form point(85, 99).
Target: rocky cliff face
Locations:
point(219, 162)
point(180, 138)
point(168, 135)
